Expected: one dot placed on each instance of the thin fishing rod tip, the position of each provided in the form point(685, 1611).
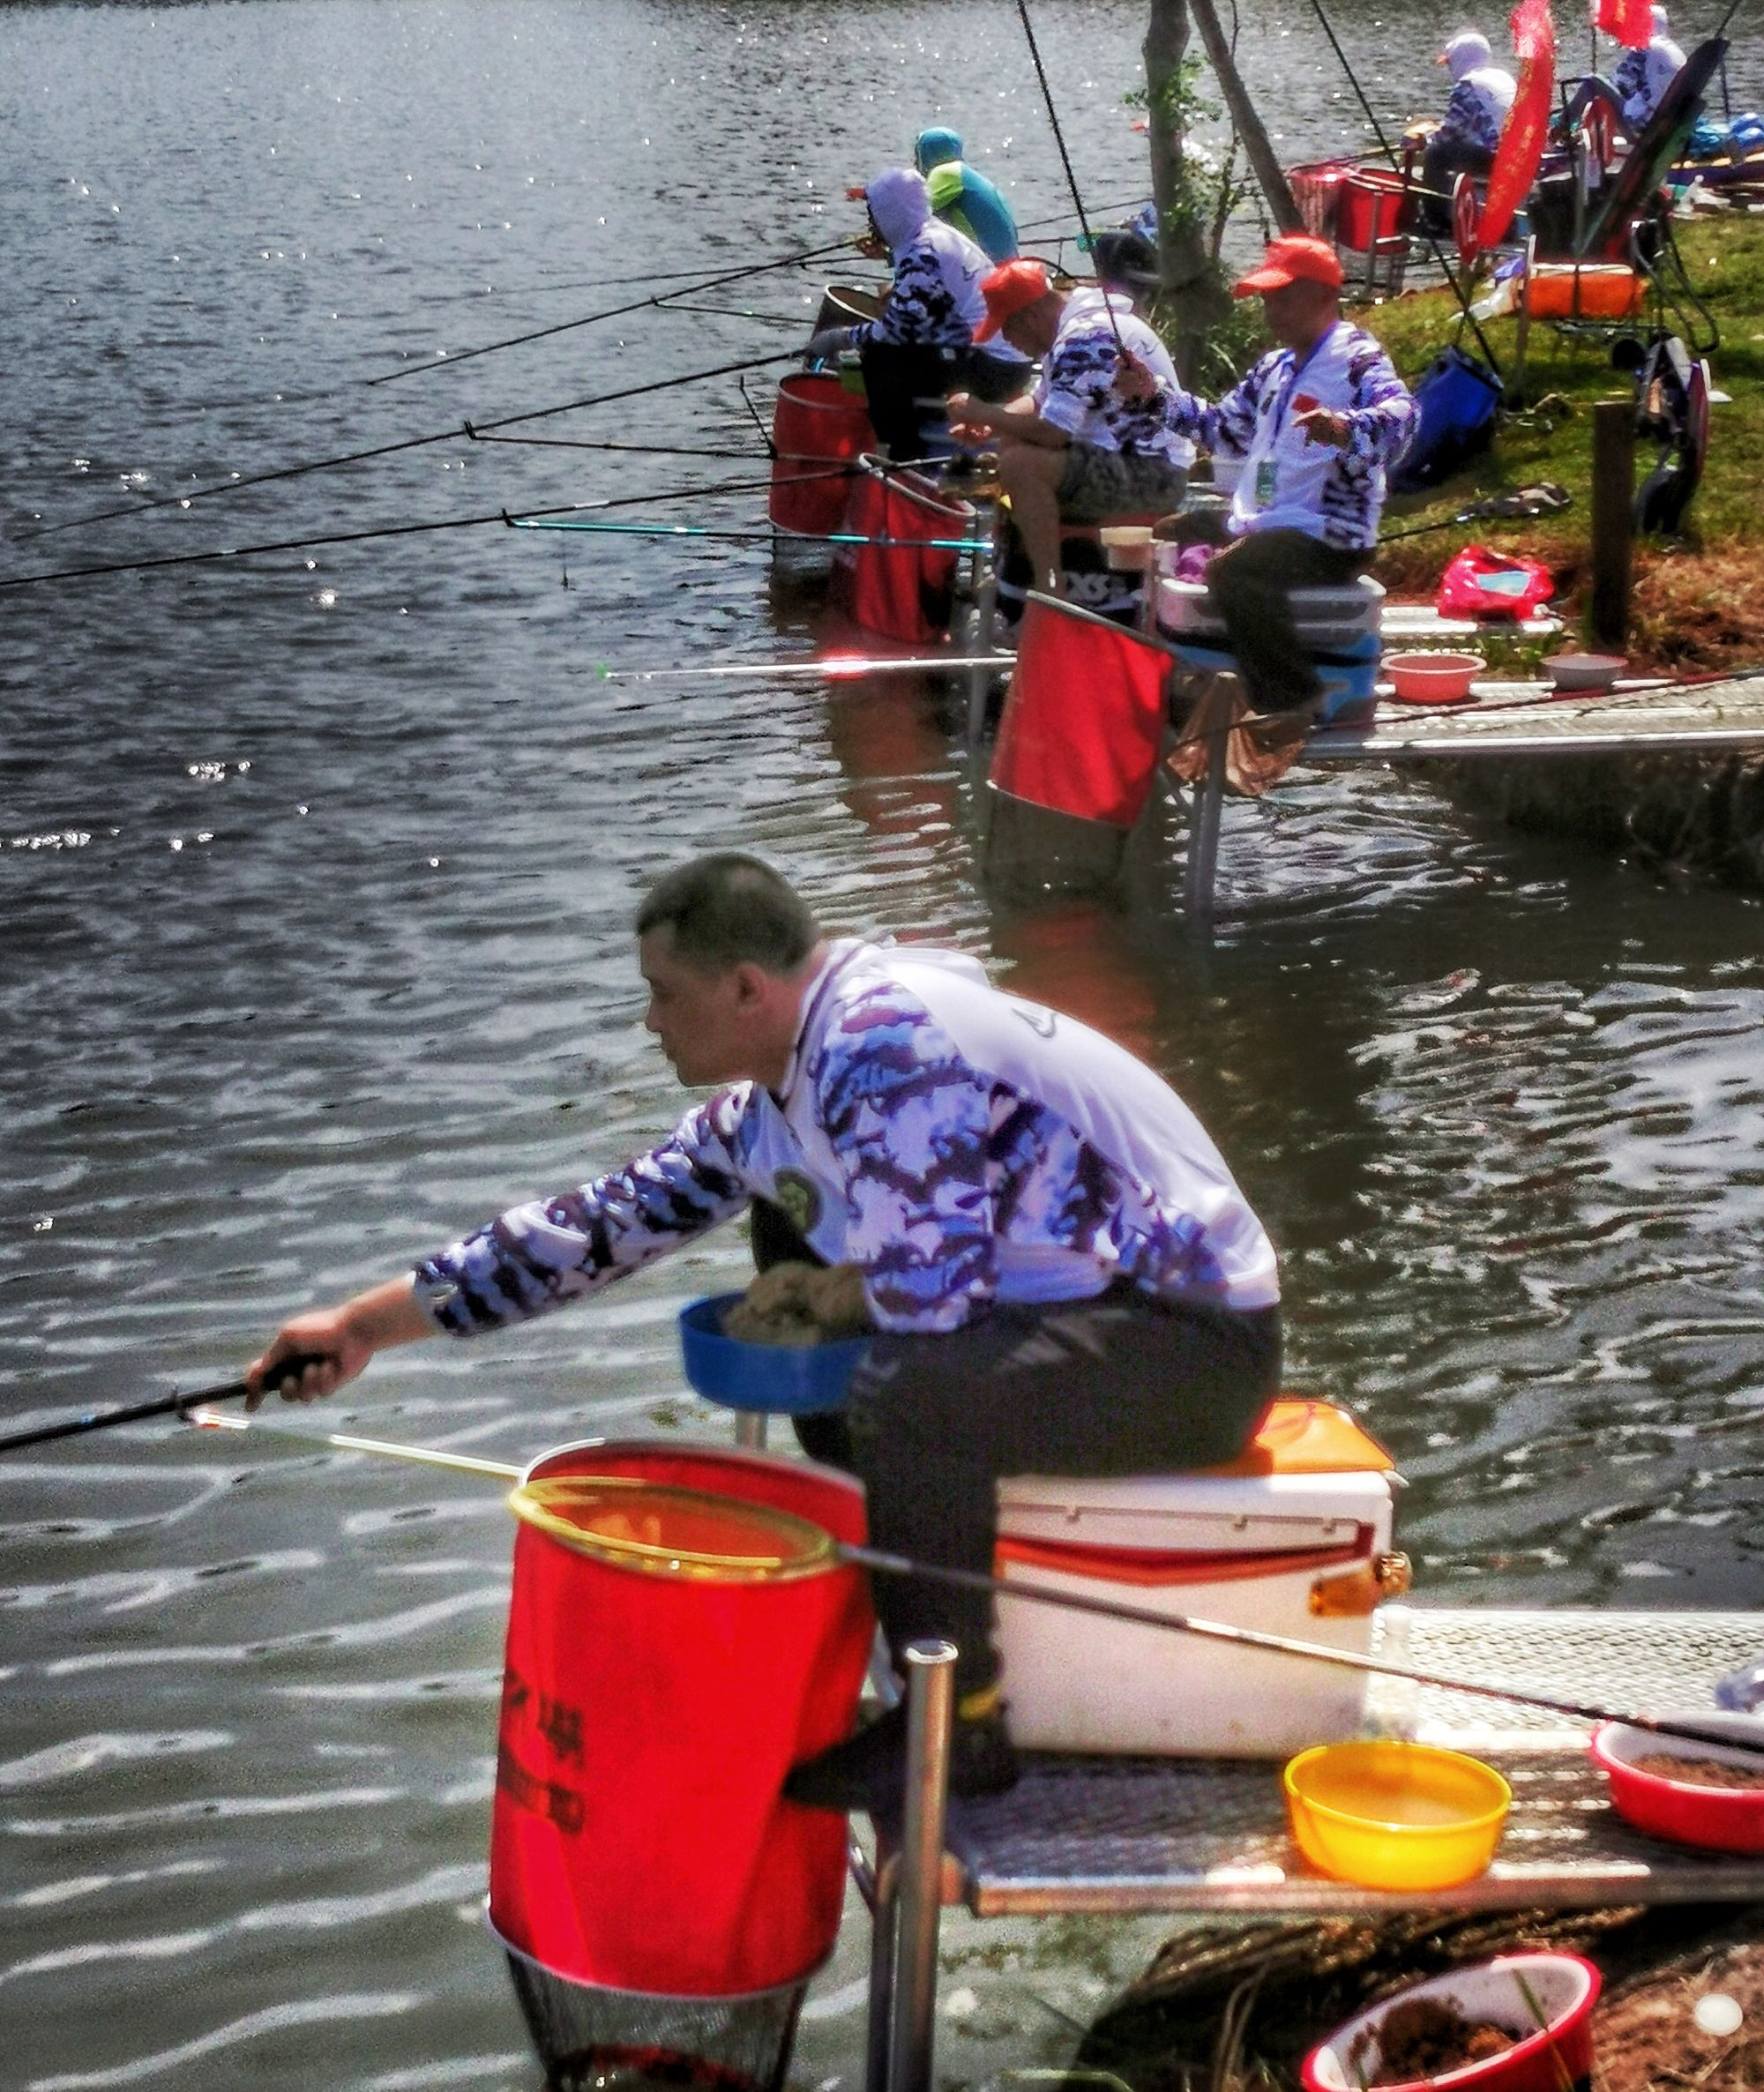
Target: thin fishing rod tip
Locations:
point(210, 1420)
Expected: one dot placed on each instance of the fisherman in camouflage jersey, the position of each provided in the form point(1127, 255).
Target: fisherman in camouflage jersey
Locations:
point(1061, 1275)
point(1317, 425)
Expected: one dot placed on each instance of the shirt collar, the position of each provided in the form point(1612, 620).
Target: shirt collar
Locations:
point(839, 952)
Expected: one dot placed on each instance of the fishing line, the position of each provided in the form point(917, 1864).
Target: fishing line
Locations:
point(1065, 158)
point(564, 326)
point(601, 442)
point(412, 443)
point(1458, 291)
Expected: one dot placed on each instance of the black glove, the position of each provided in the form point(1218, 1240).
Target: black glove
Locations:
point(827, 345)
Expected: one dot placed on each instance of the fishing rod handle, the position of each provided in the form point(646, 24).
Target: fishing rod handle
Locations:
point(168, 1405)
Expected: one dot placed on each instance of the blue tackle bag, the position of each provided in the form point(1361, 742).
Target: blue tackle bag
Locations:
point(1454, 419)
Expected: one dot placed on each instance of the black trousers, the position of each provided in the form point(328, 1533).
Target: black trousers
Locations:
point(1250, 580)
point(1441, 163)
point(907, 385)
point(1121, 1385)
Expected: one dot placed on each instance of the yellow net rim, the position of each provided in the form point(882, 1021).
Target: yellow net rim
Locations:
point(805, 1549)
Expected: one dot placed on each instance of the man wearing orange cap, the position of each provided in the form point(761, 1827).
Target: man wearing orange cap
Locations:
point(1317, 422)
point(1077, 449)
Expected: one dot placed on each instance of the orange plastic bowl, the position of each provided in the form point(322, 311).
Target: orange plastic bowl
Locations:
point(1395, 1816)
point(1432, 678)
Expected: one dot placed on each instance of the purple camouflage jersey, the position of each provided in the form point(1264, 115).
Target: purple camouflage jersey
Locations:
point(959, 1145)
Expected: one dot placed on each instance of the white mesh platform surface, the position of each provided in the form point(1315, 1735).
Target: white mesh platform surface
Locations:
point(1509, 718)
point(1126, 1834)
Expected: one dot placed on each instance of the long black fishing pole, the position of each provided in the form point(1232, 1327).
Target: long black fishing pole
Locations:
point(414, 442)
point(170, 1405)
point(1065, 158)
point(882, 1562)
point(1276, 1645)
point(564, 326)
point(1385, 146)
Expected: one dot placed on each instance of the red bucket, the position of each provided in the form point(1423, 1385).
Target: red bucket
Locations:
point(817, 426)
point(679, 1635)
point(1084, 717)
point(905, 593)
point(1374, 206)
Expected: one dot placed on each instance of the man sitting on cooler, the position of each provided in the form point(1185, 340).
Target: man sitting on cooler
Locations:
point(1318, 422)
point(1077, 450)
point(921, 343)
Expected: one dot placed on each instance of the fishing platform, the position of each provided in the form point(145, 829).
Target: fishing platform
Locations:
point(1101, 1836)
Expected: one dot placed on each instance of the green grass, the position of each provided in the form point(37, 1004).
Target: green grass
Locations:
point(1696, 601)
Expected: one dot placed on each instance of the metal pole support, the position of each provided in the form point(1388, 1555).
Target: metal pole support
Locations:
point(931, 1711)
point(1613, 502)
point(1203, 837)
point(750, 1430)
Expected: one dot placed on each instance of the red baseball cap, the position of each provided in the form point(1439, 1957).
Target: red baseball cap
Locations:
point(1295, 258)
point(1010, 288)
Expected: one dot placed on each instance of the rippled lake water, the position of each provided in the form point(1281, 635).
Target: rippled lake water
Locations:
point(315, 873)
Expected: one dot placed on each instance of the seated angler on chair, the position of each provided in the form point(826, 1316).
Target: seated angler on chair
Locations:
point(1317, 422)
point(1482, 95)
point(921, 345)
point(1076, 450)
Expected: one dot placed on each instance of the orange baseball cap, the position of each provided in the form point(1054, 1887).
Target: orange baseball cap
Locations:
point(1295, 258)
point(1011, 287)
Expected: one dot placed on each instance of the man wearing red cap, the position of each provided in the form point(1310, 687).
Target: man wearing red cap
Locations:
point(1317, 422)
point(1078, 448)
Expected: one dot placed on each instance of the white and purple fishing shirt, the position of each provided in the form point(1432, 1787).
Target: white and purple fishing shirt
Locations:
point(959, 1145)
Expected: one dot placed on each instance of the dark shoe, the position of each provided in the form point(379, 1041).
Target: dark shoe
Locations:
point(868, 1773)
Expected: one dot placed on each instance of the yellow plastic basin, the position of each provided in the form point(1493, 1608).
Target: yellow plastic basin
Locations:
point(1395, 1816)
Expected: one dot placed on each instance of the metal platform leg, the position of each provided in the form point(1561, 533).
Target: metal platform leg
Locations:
point(1203, 837)
point(986, 625)
point(912, 2017)
point(750, 1430)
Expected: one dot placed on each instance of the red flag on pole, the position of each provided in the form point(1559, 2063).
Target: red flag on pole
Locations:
point(1528, 123)
point(1630, 21)
point(1084, 718)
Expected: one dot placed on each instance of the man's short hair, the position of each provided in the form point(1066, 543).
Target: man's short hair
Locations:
point(727, 909)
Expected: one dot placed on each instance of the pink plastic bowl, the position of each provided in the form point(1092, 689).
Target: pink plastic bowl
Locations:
point(1432, 678)
point(1560, 2053)
point(1724, 1819)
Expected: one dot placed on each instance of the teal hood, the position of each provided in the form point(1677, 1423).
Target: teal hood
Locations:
point(933, 148)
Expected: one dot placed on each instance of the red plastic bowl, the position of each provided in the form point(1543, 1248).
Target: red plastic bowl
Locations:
point(1724, 1819)
point(1560, 2053)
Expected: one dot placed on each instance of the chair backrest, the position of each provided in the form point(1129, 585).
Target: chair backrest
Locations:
point(1663, 138)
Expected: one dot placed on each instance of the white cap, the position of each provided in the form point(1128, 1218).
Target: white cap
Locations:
point(1467, 50)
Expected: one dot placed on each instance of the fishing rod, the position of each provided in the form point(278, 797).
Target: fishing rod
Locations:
point(740, 536)
point(831, 668)
point(1066, 161)
point(564, 326)
point(880, 1562)
point(170, 1405)
point(414, 443)
point(426, 1456)
point(1458, 290)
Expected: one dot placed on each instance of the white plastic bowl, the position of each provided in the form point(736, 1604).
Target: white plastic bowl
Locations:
point(1585, 671)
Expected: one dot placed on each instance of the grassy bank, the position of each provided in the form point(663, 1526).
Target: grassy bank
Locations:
point(1699, 600)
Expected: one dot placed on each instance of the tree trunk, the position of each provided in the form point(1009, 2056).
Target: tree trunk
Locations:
point(1268, 172)
point(1191, 284)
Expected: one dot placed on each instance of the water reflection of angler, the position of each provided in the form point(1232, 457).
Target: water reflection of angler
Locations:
point(1063, 1276)
point(921, 346)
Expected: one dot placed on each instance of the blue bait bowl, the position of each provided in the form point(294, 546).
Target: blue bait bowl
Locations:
point(787, 1380)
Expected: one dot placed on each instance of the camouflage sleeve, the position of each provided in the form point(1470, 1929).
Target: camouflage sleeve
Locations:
point(919, 308)
point(1226, 426)
point(1382, 417)
point(1079, 381)
point(909, 1122)
point(537, 1256)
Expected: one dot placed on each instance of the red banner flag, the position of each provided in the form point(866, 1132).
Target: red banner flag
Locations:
point(1528, 123)
point(1630, 21)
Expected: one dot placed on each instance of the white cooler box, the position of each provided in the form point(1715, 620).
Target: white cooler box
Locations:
point(1302, 1555)
point(1328, 620)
